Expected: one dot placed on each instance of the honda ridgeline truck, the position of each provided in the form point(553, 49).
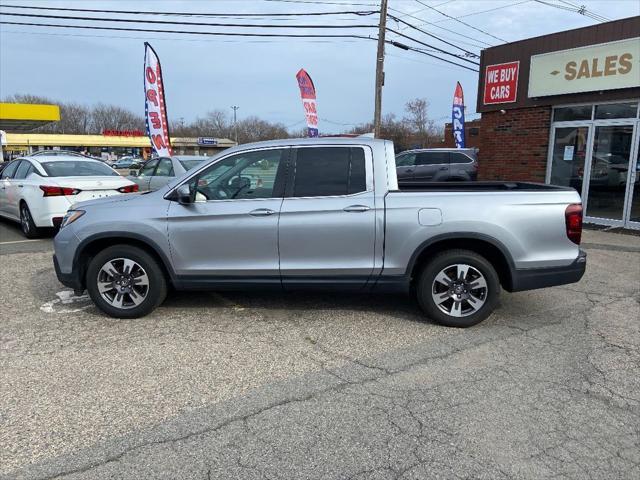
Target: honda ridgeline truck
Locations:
point(328, 213)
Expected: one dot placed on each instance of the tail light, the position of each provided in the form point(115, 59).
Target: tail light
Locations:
point(129, 188)
point(54, 191)
point(573, 221)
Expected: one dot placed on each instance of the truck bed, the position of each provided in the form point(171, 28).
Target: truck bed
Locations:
point(478, 187)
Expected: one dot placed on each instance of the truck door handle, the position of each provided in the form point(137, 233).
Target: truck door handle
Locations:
point(261, 212)
point(409, 170)
point(444, 168)
point(356, 208)
point(20, 185)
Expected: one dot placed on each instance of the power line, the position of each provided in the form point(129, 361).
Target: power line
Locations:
point(457, 34)
point(431, 46)
point(582, 10)
point(480, 12)
point(188, 32)
point(172, 22)
point(196, 14)
point(460, 21)
point(434, 36)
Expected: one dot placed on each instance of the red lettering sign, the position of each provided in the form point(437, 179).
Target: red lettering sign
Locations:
point(501, 83)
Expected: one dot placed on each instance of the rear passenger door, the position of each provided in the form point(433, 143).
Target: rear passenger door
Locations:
point(405, 166)
point(164, 173)
point(431, 167)
point(145, 175)
point(7, 193)
point(327, 221)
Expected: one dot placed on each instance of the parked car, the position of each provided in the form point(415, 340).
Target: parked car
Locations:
point(323, 212)
point(38, 191)
point(158, 172)
point(56, 153)
point(128, 163)
point(437, 165)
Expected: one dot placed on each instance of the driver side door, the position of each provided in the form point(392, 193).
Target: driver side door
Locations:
point(229, 235)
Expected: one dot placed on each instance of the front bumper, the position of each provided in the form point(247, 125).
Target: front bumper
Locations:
point(71, 280)
point(532, 278)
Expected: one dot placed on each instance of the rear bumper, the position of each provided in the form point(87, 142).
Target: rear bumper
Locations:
point(71, 280)
point(532, 278)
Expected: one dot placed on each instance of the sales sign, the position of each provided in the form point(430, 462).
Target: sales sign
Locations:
point(155, 108)
point(308, 95)
point(501, 83)
point(207, 141)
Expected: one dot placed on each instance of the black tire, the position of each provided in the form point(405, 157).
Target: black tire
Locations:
point(27, 226)
point(445, 261)
point(154, 294)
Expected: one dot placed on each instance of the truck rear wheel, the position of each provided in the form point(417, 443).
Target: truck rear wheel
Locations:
point(458, 288)
point(125, 282)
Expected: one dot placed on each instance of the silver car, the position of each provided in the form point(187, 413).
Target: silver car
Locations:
point(437, 165)
point(158, 172)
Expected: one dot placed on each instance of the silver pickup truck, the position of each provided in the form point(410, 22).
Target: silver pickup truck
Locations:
point(322, 213)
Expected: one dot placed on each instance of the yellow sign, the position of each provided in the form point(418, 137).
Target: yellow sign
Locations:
point(605, 66)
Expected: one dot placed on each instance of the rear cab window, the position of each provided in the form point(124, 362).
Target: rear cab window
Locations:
point(329, 171)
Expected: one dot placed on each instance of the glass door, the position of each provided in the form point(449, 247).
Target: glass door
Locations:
point(633, 215)
point(608, 173)
point(568, 155)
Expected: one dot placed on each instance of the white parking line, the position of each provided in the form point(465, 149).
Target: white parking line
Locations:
point(20, 241)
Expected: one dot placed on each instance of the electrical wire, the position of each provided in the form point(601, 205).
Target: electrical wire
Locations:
point(475, 55)
point(171, 22)
point(196, 14)
point(582, 10)
point(431, 46)
point(461, 22)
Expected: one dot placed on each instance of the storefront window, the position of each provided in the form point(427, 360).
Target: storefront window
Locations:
point(617, 110)
point(576, 112)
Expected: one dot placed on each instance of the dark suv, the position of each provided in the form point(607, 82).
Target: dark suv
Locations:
point(437, 165)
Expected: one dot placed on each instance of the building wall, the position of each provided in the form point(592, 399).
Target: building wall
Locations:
point(472, 135)
point(514, 144)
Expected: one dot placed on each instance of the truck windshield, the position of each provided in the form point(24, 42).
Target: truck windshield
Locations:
point(77, 168)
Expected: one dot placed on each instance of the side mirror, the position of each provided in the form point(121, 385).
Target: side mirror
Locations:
point(133, 173)
point(184, 195)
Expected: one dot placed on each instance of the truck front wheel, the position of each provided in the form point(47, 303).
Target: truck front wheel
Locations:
point(125, 282)
point(458, 288)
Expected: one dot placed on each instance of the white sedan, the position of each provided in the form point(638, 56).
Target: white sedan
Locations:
point(37, 192)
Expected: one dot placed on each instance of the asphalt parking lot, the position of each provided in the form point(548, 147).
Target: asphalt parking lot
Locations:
point(320, 386)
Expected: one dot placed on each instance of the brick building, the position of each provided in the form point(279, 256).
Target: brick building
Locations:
point(472, 135)
point(564, 109)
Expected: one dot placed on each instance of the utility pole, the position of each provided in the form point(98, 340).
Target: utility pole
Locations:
point(235, 122)
point(380, 69)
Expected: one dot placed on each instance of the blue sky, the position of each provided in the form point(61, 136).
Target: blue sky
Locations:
point(206, 73)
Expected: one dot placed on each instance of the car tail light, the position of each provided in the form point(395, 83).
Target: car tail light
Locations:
point(53, 191)
point(573, 221)
point(129, 188)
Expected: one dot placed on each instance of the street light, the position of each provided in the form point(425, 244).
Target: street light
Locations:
point(235, 122)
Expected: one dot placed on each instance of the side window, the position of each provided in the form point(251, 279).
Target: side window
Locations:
point(148, 168)
point(256, 174)
point(406, 160)
point(10, 169)
point(165, 168)
point(22, 170)
point(329, 171)
point(432, 158)
point(457, 157)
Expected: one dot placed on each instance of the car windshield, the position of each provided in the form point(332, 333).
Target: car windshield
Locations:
point(81, 168)
point(189, 164)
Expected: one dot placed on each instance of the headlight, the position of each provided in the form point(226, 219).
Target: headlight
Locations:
point(71, 216)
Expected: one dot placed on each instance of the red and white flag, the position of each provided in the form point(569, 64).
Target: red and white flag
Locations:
point(308, 94)
point(155, 108)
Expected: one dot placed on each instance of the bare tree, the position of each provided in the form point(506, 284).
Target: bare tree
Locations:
point(418, 120)
point(111, 117)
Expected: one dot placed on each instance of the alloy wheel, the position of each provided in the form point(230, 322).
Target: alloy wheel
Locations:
point(25, 219)
point(123, 283)
point(459, 290)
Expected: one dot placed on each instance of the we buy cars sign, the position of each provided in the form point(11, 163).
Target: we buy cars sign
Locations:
point(501, 83)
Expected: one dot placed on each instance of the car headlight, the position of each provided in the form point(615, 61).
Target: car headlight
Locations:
point(71, 216)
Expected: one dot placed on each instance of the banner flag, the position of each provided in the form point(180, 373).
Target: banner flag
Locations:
point(308, 94)
point(155, 108)
point(457, 116)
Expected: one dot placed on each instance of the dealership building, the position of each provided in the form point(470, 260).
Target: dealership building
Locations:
point(565, 109)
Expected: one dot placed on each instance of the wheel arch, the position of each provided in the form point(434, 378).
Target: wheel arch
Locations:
point(89, 247)
point(490, 248)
